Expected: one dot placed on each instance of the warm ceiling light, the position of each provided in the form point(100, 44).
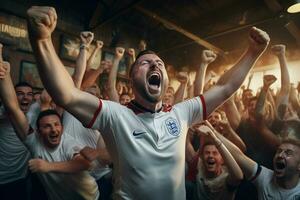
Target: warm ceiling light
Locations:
point(293, 6)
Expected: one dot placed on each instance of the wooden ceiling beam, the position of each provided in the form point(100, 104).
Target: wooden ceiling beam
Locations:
point(96, 15)
point(179, 29)
point(294, 30)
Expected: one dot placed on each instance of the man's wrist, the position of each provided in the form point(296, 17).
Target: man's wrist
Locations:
point(48, 167)
point(118, 58)
point(265, 88)
point(83, 46)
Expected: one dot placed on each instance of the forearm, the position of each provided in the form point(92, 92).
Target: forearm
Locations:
point(233, 115)
point(283, 97)
point(199, 80)
point(234, 170)
point(285, 78)
point(239, 105)
point(189, 149)
point(93, 56)
point(245, 163)
point(73, 166)
point(80, 67)
point(9, 100)
point(270, 98)
point(8, 94)
point(234, 77)
point(99, 154)
point(131, 60)
point(90, 77)
point(179, 95)
point(259, 108)
point(230, 81)
point(112, 79)
point(55, 77)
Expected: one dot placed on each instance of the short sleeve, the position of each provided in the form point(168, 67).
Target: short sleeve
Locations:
point(192, 110)
point(106, 115)
point(262, 176)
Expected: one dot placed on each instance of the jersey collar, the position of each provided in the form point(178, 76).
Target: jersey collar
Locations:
point(138, 108)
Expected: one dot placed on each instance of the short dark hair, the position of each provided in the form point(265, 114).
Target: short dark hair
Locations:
point(47, 113)
point(23, 84)
point(138, 56)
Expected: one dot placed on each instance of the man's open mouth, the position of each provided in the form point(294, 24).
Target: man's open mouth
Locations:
point(54, 137)
point(280, 165)
point(24, 104)
point(211, 162)
point(154, 82)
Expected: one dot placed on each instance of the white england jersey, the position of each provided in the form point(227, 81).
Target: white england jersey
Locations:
point(148, 149)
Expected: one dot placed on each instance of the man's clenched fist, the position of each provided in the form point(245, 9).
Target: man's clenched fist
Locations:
point(208, 56)
point(41, 22)
point(119, 52)
point(4, 66)
point(279, 49)
point(258, 40)
point(269, 80)
point(86, 38)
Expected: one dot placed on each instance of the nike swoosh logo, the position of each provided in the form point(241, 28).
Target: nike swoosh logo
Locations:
point(137, 133)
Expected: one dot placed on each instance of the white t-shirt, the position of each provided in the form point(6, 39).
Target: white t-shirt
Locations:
point(63, 186)
point(86, 137)
point(33, 114)
point(148, 149)
point(14, 155)
point(268, 189)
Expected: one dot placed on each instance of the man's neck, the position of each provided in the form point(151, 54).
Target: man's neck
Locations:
point(151, 107)
point(288, 182)
point(213, 174)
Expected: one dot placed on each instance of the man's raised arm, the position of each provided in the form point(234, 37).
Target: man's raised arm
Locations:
point(207, 57)
point(86, 39)
point(57, 81)
point(9, 98)
point(282, 100)
point(233, 78)
point(112, 77)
